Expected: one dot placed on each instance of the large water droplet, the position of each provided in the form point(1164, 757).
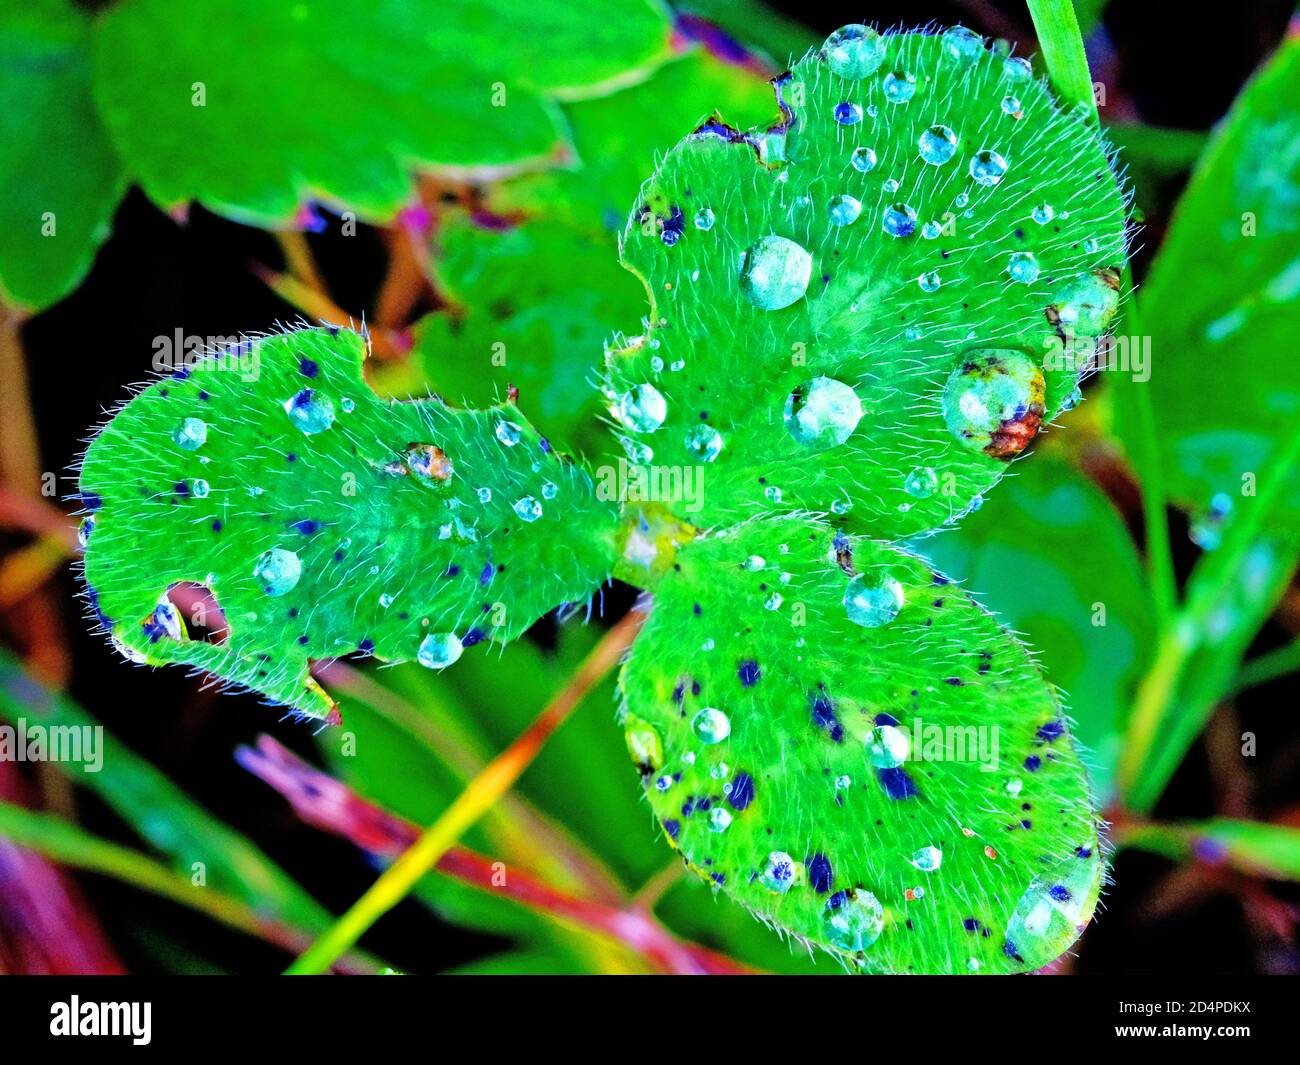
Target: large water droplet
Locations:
point(863, 160)
point(1085, 305)
point(844, 210)
point(719, 819)
point(987, 167)
point(930, 282)
point(711, 725)
point(191, 434)
point(937, 145)
point(872, 601)
point(962, 45)
point(780, 872)
point(277, 571)
point(643, 408)
point(1043, 213)
point(927, 859)
point(200, 488)
point(900, 86)
point(822, 413)
point(1050, 913)
point(1023, 267)
point(854, 51)
point(508, 433)
point(921, 483)
point(898, 220)
point(704, 218)
point(438, 650)
point(1011, 105)
point(888, 747)
point(704, 442)
point(993, 401)
point(310, 411)
point(775, 273)
point(856, 922)
point(528, 509)
point(1017, 69)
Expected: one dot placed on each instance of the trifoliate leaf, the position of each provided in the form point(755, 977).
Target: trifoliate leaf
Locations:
point(324, 520)
point(861, 310)
point(868, 762)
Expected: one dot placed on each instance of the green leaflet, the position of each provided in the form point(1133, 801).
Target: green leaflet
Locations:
point(59, 177)
point(325, 520)
point(905, 795)
point(252, 106)
point(856, 311)
point(1232, 328)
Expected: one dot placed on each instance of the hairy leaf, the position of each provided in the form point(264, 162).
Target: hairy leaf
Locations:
point(870, 764)
point(59, 177)
point(325, 520)
point(860, 311)
point(252, 106)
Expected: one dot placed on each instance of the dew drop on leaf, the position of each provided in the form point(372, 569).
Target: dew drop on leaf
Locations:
point(854, 51)
point(438, 650)
point(822, 413)
point(191, 434)
point(278, 571)
point(872, 602)
point(711, 725)
point(775, 273)
point(937, 145)
point(310, 411)
point(643, 408)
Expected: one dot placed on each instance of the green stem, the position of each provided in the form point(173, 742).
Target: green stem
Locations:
point(1269, 666)
point(1062, 45)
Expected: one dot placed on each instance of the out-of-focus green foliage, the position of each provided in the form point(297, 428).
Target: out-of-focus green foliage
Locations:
point(59, 176)
point(1220, 302)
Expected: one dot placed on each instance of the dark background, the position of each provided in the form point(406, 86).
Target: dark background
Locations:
point(155, 274)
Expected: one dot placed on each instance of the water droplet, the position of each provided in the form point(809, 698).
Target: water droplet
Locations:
point(822, 413)
point(962, 45)
point(888, 747)
point(754, 563)
point(277, 571)
point(550, 490)
point(1043, 213)
point(528, 509)
point(1091, 245)
point(704, 218)
point(773, 493)
point(84, 530)
point(855, 923)
point(961, 199)
point(993, 401)
point(773, 601)
point(484, 495)
point(921, 483)
point(927, 859)
point(1049, 914)
point(1023, 267)
point(929, 282)
point(711, 725)
point(1011, 105)
point(844, 210)
point(848, 114)
point(863, 160)
point(386, 600)
point(1017, 69)
point(1072, 399)
point(310, 411)
point(775, 273)
point(931, 230)
point(719, 771)
point(898, 220)
point(438, 650)
point(937, 145)
point(987, 167)
point(643, 408)
point(872, 602)
point(191, 434)
point(508, 433)
point(890, 186)
point(664, 782)
point(900, 86)
point(704, 442)
point(854, 51)
point(1085, 305)
point(200, 488)
point(843, 782)
point(348, 404)
point(719, 819)
point(1014, 786)
point(780, 872)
